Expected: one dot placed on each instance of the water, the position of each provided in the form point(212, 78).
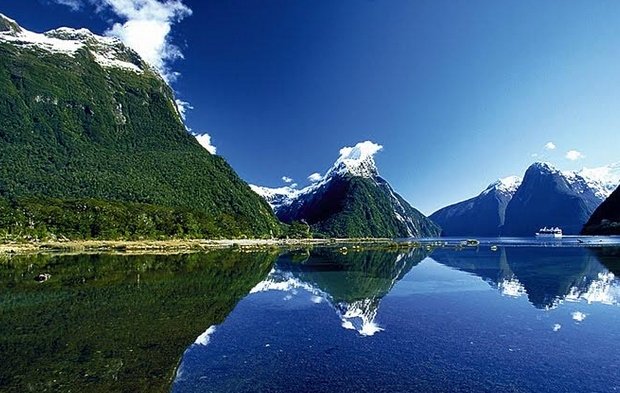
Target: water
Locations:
point(112, 323)
point(515, 320)
point(519, 319)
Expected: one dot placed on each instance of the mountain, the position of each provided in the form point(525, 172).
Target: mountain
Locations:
point(549, 197)
point(92, 144)
point(606, 218)
point(482, 215)
point(545, 197)
point(351, 200)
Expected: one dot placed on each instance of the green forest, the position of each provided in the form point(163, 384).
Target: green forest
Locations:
point(94, 152)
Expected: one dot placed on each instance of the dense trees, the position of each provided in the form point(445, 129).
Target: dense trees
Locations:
point(87, 151)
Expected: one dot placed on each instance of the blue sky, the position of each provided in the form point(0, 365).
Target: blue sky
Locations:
point(459, 93)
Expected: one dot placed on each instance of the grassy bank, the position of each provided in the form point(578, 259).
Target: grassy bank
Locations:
point(182, 245)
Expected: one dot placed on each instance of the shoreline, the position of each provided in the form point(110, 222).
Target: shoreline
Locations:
point(175, 246)
point(184, 245)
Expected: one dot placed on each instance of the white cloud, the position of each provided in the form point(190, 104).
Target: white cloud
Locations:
point(294, 185)
point(145, 27)
point(557, 327)
point(550, 146)
point(574, 155)
point(287, 179)
point(205, 141)
point(357, 160)
point(360, 151)
point(315, 177)
point(75, 5)
point(183, 107)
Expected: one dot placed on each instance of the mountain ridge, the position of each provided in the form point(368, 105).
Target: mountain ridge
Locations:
point(350, 200)
point(487, 213)
point(482, 215)
point(548, 197)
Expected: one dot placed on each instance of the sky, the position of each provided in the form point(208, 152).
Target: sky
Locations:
point(458, 93)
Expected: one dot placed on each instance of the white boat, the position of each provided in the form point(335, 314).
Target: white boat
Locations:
point(549, 232)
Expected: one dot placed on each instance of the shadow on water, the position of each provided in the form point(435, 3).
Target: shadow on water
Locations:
point(609, 257)
point(546, 275)
point(111, 323)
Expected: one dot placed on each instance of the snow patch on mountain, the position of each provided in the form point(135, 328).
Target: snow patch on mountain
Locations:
point(507, 185)
point(357, 160)
point(106, 59)
point(400, 211)
point(544, 167)
point(602, 181)
point(107, 51)
point(277, 197)
point(33, 40)
point(599, 182)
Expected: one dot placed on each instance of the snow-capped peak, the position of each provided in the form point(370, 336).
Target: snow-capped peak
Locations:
point(277, 197)
point(107, 51)
point(507, 185)
point(609, 174)
point(602, 181)
point(544, 167)
point(357, 160)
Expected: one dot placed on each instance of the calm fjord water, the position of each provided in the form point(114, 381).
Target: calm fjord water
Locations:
point(519, 319)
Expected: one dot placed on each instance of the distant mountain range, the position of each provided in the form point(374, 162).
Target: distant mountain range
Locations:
point(544, 197)
point(92, 145)
point(350, 200)
point(482, 215)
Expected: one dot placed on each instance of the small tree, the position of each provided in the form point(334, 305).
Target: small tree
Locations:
point(299, 230)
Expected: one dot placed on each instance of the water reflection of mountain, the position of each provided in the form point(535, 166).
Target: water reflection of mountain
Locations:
point(353, 284)
point(105, 323)
point(546, 275)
